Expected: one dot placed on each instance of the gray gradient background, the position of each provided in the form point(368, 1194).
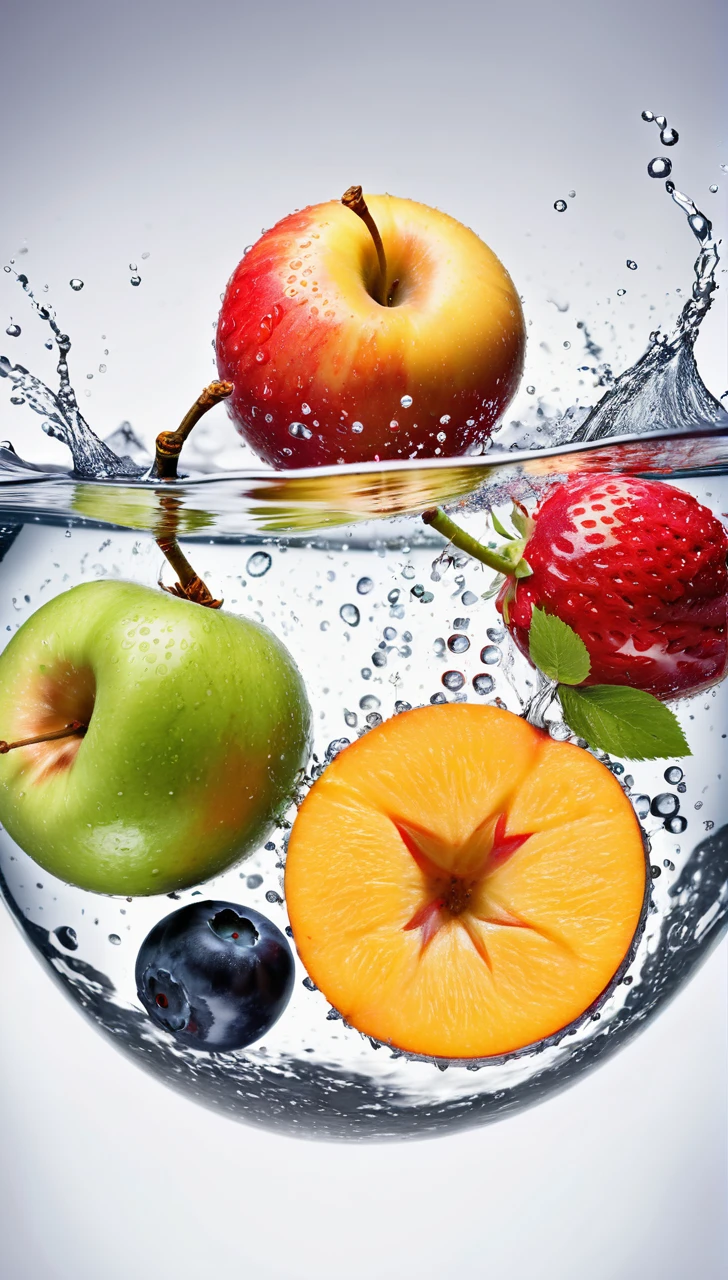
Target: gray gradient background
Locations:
point(180, 130)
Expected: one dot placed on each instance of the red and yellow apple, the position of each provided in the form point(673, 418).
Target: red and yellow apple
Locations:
point(332, 363)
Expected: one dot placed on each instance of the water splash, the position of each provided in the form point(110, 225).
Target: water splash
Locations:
point(664, 389)
point(92, 458)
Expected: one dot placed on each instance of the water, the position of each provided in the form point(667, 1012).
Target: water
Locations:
point(295, 551)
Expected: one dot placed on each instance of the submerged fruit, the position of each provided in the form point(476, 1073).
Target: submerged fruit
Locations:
point(214, 974)
point(460, 885)
point(638, 569)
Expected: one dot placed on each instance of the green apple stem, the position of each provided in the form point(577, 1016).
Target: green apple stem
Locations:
point(68, 731)
point(169, 443)
point(190, 585)
point(502, 563)
point(354, 200)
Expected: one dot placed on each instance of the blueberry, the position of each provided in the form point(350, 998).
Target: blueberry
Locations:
point(214, 974)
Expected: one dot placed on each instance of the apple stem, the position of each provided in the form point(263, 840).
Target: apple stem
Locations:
point(190, 585)
point(68, 731)
point(169, 443)
point(465, 542)
point(354, 200)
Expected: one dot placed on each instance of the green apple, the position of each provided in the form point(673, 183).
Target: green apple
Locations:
point(197, 727)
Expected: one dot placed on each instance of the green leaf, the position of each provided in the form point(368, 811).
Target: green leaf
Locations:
point(557, 650)
point(500, 528)
point(623, 721)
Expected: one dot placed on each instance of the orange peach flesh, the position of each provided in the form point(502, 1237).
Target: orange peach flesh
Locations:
point(461, 886)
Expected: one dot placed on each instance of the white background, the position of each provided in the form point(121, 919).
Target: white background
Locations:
point(181, 130)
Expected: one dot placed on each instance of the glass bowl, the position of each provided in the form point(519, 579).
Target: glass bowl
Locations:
point(338, 563)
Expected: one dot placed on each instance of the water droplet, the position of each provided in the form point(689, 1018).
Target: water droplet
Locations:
point(665, 805)
point(572, 195)
point(444, 419)
point(713, 188)
point(469, 598)
point(441, 436)
point(254, 881)
point(673, 775)
point(668, 137)
point(364, 586)
point(394, 425)
point(661, 121)
point(676, 825)
point(300, 431)
point(133, 266)
point(660, 167)
point(336, 746)
point(648, 116)
point(271, 896)
point(567, 345)
point(357, 428)
point(458, 643)
point(135, 280)
point(559, 731)
point(531, 390)
point(490, 655)
point(631, 264)
point(406, 402)
point(258, 564)
point(350, 615)
point(621, 293)
point(437, 699)
point(496, 634)
point(351, 719)
point(453, 680)
point(560, 206)
point(399, 707)
point(13, 331)
point(483, 683)
point(67, 937)
point(305, 409)
point(17, 400)
point(114, 939)
point(76, 285)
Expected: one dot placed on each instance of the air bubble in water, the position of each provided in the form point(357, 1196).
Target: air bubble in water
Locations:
point(67, 937)
point(349, 614)
point(665, 805)
point(364, 586)
point(406, 402)
point(482, 683)
point(357, 428)
point(76, 285)
point(668, 137)
point(453, 680)
point(300, 431)
point(490, 655)
point(441, 436)
point(444, 419)
point(258, 564)
point(560, 206)
point(13, 331)
point(370, 702)
point(631, 264)
point(458, 643)
point(660, 167)
point(305, 409)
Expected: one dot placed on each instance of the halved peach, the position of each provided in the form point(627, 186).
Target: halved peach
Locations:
point(461, 886)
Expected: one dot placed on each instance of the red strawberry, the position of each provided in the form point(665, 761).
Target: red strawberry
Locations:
point(638, 569)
